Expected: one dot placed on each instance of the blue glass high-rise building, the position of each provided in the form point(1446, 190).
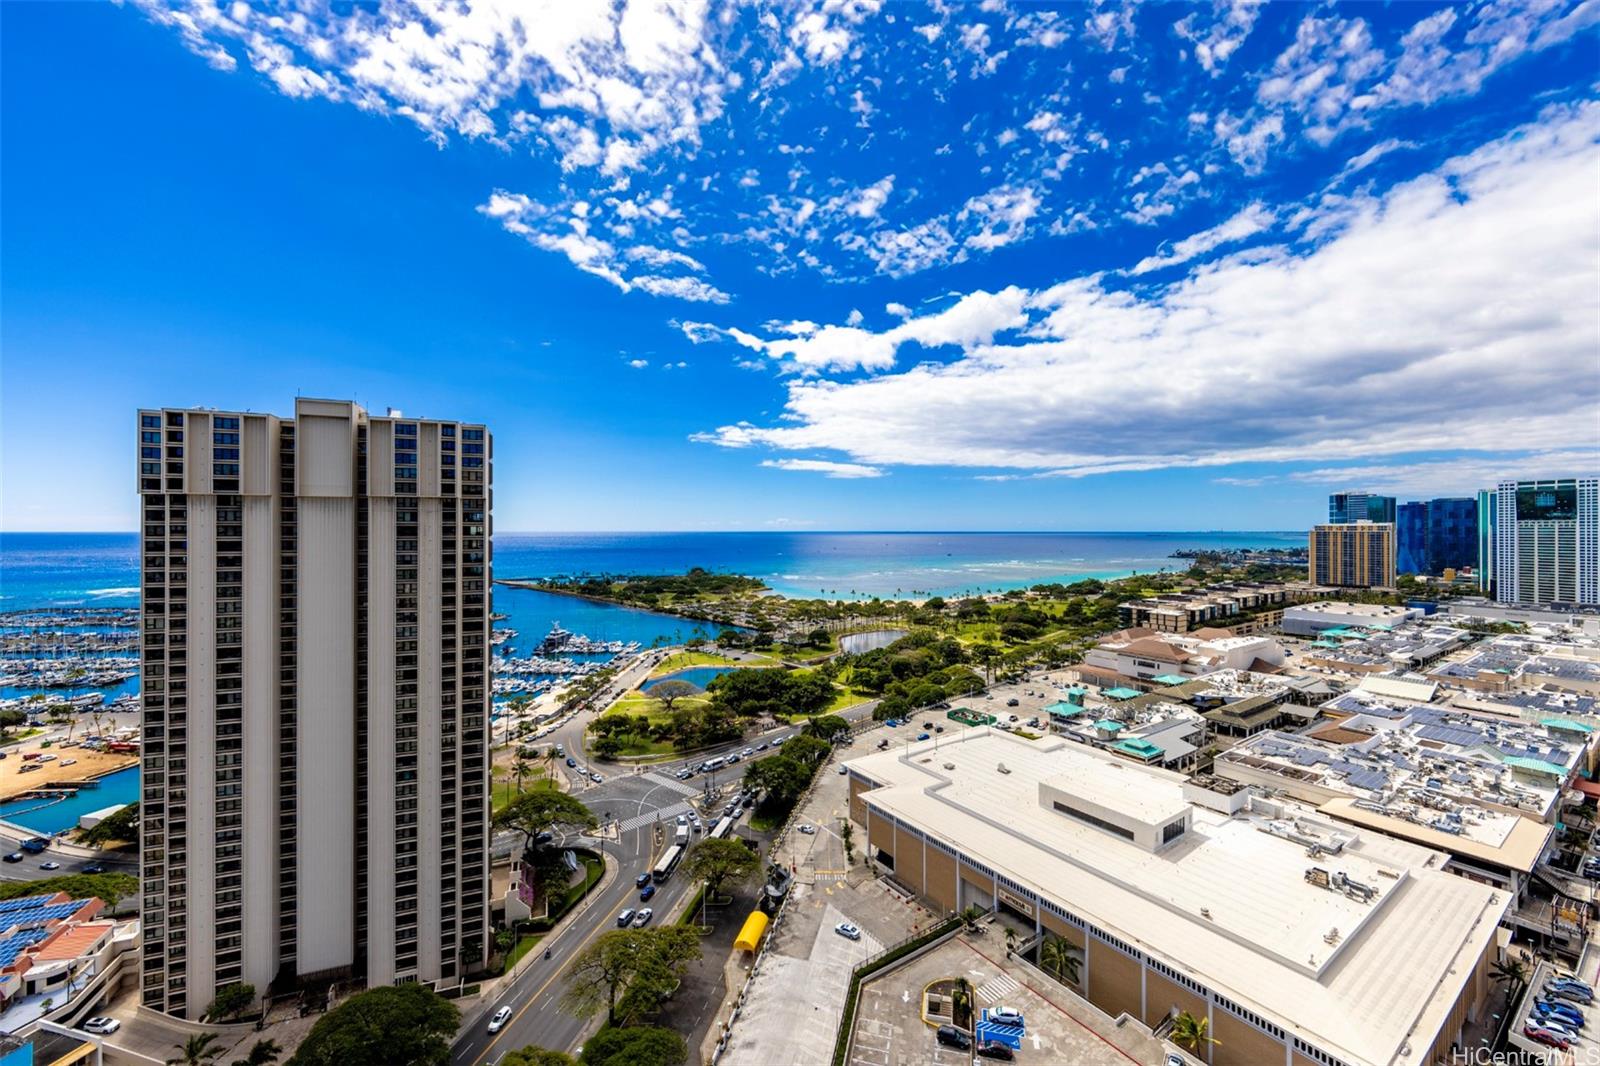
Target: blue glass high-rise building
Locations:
point(1433, 536)
point(1411, 538)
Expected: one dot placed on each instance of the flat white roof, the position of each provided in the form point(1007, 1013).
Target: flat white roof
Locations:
point(1228, 902)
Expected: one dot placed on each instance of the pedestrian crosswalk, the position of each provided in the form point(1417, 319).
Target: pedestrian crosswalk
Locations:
point(666, 782)
point(997, 988)
point(665, 814)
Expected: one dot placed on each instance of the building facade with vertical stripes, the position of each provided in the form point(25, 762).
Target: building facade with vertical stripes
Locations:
point(1354, 555)
point(315, 651)
point(1547, 541)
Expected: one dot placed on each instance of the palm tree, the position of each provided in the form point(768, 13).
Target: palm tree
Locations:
point(262, 1053)
point(970, 916)
point(960, 1002)
point(521, 767)
point(1011, 941)
point(1512, 972)
point(1059, 957)
point(1191, 1033)
point(197, 1050)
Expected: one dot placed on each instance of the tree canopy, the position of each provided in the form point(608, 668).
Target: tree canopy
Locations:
point(721, 862)
point(537, 1056)
point(120, 827)
point(669, 692)
point(543, 810)
point(638, 1046)
point(109, 887)
point(779, 777)
point(399, 1025)
point(231, 1001)
point(826, 727)
point(626, 972)
point(767, 693)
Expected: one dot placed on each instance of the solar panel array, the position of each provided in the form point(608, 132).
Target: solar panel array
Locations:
point(16, 943)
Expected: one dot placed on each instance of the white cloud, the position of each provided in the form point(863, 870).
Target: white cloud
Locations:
point(638, 364)
point(1457, 311)
point(1459, 476)
point(898, 310)
point(1362, 160)
point(1001, 216)
point(864, 203)
point(1247, 223)
point(972, 320)
point(854, 318)
point(824, 467)
point(1218, 34)
point(567, 229)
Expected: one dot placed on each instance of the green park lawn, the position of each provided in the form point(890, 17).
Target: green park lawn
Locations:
point(684, 659)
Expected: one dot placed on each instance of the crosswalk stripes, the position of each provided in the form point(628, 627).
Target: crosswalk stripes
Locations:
point(997, 988)
point(665, 814)
point(666, 782)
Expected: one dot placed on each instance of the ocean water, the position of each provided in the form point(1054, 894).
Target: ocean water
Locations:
point(51, 816)
point(79, 569)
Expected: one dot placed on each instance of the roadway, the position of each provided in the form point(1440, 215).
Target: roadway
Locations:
point(630, 802)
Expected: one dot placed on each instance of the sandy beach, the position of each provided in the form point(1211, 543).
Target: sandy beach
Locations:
point(90, 764)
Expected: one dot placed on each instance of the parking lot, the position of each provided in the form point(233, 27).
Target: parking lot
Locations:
point(794, 1005)
point(1059, 1028)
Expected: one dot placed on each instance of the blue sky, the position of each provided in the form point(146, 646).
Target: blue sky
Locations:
point(836, 266)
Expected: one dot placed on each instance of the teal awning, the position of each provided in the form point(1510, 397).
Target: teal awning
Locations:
point(1170, 679)
point(1120, 693)
point(1567, 724)
point(1538, 766)
point(1063, 710)
point(1108, 725)
point(1142, 749)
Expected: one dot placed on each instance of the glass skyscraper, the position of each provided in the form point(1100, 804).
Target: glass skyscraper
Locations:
point(1347, 507)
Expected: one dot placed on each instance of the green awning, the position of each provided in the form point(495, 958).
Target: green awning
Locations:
point(1538, 766)
point(1120, 693)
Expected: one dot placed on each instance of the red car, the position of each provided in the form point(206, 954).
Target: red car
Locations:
point(1546, 1036)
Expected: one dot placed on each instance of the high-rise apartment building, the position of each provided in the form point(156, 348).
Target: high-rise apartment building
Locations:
point(1547, 541)
point(1488, 523)
point(1411, 538)
point(1352, 555)
point(1346, 507)
point(315, 642)
point(1432, 536)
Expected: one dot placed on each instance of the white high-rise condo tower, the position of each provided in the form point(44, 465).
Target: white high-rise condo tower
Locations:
point(1547, 541)
point(315, 640)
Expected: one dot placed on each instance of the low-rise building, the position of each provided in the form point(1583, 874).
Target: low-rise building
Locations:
point(1141, 659)
point(1311, 619)
point(1298, 940)
point(1234, 703)
point(49, 944)
point(1239, 607)
point(1489, 816)
point(1406, 646)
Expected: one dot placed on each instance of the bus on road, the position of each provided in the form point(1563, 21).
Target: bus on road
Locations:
point(668, 863)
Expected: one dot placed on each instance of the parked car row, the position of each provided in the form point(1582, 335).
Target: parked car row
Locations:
point(1554, 1018)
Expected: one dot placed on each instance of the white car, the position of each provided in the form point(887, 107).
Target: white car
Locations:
point(843, 770)
point(51, 865)
point(69, 762)
point(848, 931)
point(1005, 1015)
point(498, 1022)
point(808, 830)
point(101, 1026)
point(642, 919)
